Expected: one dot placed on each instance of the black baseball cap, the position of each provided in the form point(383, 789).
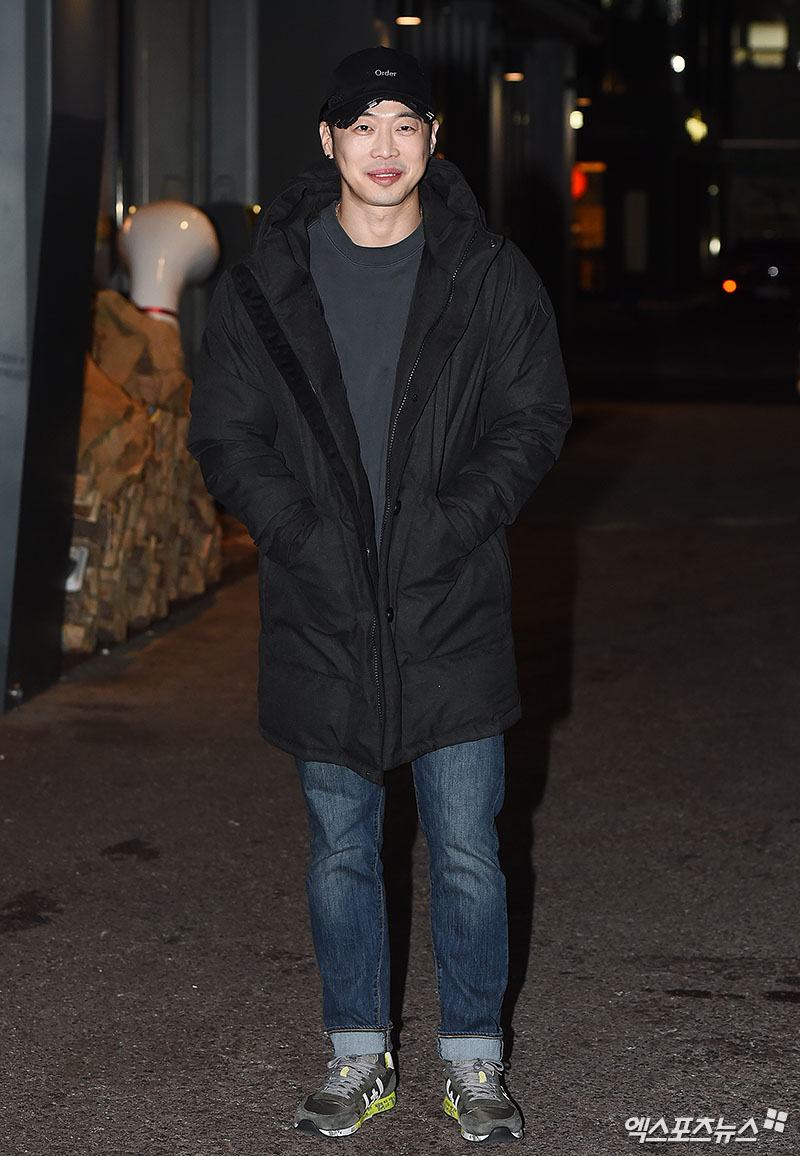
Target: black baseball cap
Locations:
point(372, 75)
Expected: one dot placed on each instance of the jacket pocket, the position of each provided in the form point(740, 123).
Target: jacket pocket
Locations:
point(433, 551)
point(449, 601)
point(266, 573)
point(313, 607)
point(499, 548)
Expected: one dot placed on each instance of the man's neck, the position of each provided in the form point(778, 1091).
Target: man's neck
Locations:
point(376, 227)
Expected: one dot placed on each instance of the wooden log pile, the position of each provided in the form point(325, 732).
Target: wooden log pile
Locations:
point(141, 511)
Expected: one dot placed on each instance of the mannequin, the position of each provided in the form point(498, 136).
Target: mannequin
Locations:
point(164, 246)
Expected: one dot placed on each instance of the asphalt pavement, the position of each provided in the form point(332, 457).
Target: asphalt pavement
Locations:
point(159, 994)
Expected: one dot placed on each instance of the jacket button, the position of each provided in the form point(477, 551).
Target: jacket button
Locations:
point(397, 506)
point(415, 397)
point(389, 613)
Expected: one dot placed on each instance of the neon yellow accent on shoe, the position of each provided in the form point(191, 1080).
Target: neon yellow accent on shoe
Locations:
point(382, 1105)
point(476, 1099)
point(352, 1092)
point(450, 1108)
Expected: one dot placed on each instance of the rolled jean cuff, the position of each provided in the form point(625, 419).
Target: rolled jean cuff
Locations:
point(456, 1048)
point(361, 1042)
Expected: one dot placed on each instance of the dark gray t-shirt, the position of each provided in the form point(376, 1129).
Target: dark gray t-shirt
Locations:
point(366, 296)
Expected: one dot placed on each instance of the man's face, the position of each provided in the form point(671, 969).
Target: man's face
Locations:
point(381, 157)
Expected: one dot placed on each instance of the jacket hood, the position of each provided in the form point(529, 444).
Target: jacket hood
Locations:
point(448, 203)
point(443, 180)
point(309, 193)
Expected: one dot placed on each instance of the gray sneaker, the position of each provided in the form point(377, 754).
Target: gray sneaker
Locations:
point(475, 1097)
point(356, 1088)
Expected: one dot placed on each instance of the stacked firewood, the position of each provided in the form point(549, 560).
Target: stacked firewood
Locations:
point(145, 532)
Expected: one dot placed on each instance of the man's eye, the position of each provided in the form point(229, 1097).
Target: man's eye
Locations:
point(362, 127)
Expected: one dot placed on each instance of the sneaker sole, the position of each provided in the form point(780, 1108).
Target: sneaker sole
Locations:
point(499, 1135)
point(382, 1105)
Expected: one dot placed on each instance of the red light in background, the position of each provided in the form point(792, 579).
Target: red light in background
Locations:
point(729, 285)
point(580, 183)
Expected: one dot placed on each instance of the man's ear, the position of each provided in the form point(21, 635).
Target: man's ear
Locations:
point(326, 139)
point(432, 141)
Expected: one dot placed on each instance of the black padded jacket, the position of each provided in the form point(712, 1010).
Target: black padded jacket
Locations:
point(372, 653)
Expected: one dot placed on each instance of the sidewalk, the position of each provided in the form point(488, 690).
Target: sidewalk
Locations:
point(159, 991)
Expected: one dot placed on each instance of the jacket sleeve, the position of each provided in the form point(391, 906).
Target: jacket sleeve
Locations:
point(232, 432)
point(525, 408)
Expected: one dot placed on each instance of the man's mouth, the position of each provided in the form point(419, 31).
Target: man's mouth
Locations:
point(385, 175)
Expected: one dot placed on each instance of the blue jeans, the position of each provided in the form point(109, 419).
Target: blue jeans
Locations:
point(459, 793)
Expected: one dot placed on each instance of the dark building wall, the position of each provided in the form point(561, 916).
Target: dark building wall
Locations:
point(300, 45)
point(765, 104)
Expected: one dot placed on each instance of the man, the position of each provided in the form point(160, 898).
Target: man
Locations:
point(380, 390)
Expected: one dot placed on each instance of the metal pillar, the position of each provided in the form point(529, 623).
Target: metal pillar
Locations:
point(45, 396)
point(24, 125)
point(233, 123)
point(545, 219)
point(165, 119)
point(233, 100)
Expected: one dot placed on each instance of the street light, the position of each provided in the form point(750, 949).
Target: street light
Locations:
point(696, 126)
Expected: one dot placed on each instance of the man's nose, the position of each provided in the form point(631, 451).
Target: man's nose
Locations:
point(384, 144)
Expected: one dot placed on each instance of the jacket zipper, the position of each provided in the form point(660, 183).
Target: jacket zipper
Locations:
point(392, 433)
point(377, 673)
